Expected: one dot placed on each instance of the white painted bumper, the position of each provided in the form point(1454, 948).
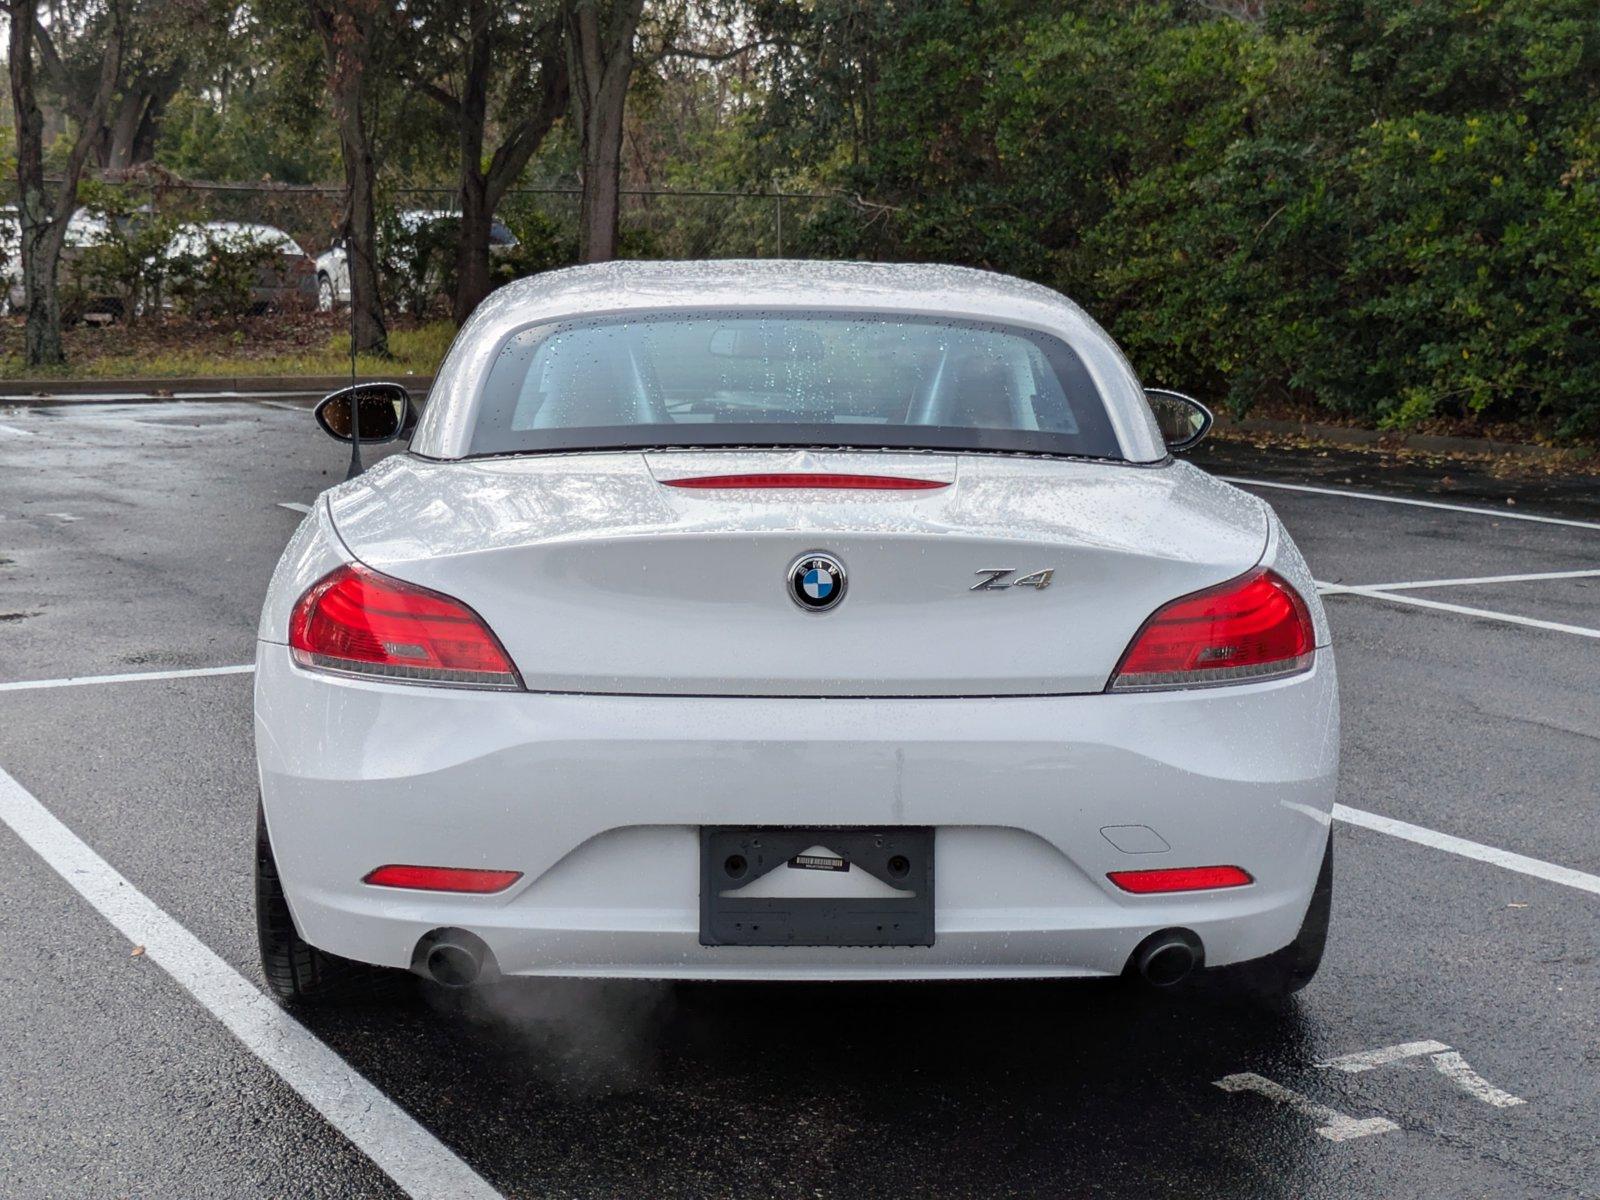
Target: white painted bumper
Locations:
point(597, 800)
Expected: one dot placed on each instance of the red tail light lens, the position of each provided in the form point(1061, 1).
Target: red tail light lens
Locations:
point(442, 879)
point(357, 621)
point(1251, 628)
point(1180, 879)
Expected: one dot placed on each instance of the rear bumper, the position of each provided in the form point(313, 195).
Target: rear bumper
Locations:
point(597, 800)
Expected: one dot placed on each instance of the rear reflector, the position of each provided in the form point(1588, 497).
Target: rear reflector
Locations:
point(809, 479)
point(1180, 879)
point(442, 879)
point(356, 621)
point(1251, 628)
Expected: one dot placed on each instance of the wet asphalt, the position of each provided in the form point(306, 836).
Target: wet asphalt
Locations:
point(137, 538)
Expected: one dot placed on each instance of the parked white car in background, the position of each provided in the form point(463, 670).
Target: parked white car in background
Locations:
point(286, 275)
point(84, 229)
point(333, 265)
point(779, 620)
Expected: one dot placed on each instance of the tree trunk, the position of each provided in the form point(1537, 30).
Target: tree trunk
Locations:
point(472, 248)
point(472, 232)
point(348, 30)
point(600, 62)
point(43, 225)
point(370, 333)
point(600, 205)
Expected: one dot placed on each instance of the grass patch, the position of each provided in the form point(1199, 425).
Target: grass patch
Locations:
point(276, 344)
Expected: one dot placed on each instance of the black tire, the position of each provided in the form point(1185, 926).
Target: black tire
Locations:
point(296, 971)
point(1283, 973)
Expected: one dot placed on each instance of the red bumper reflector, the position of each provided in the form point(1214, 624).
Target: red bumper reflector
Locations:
point(442, 879)
point(1180, 879)
point(809, 479)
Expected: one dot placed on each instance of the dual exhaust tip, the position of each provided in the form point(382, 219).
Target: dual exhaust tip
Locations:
point(454, 958)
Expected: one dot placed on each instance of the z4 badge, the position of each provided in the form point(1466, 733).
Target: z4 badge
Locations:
point(996, 579)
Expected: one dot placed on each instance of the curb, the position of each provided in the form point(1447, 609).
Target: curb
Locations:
point(201, 389)
point(1345, 435)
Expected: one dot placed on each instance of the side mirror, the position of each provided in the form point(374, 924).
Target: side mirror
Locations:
point(1183, 420)
point(370, 412)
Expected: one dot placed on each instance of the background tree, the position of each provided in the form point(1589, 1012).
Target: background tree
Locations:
point(600, 60)
point(473, 58)
point(43, 221)
point(163, 39)
point(352, 33)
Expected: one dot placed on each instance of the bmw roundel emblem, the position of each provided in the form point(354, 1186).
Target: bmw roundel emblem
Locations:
point(816, 581)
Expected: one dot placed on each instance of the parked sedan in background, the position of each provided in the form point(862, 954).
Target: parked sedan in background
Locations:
point(282, 275)
point(333, 265)
point(84, 230)
point(775, 620)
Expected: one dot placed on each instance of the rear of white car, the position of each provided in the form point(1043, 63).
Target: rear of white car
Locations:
point(793, 709)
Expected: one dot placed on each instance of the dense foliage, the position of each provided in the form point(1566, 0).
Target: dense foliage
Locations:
point(1388, 208)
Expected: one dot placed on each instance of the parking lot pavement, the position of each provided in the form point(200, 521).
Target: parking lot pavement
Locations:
point(1449, 1048)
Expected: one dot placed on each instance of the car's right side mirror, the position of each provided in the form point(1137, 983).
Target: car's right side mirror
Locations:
point(1183, 420)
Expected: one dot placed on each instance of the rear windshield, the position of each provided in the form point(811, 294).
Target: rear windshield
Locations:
point(789, 379)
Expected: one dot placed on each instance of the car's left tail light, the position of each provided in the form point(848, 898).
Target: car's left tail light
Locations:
point(1249, 629)
point(357, 622)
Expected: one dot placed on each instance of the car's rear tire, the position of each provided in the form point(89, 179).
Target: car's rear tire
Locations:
point(1281, 974)
point(324, 294)
point(296, 971)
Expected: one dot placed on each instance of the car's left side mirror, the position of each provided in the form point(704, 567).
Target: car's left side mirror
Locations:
point(1183, 420)
point(367, 412)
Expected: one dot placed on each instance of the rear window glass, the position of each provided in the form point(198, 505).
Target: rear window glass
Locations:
point(789, 379)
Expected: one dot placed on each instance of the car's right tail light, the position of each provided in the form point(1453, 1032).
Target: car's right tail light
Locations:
point(357, 622)
point(1252, 628)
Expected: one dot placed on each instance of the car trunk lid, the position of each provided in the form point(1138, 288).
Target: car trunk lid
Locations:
point(602, 573)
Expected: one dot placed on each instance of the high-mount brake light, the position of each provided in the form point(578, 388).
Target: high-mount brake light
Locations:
point(1179, 879)
point(471, 880)
point(809, 479)
point(355, 621)
point(1249, 629)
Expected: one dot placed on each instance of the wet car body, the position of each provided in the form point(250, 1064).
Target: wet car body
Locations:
point(772, 687)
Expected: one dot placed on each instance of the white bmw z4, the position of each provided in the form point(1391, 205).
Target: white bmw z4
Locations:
point(789, 621)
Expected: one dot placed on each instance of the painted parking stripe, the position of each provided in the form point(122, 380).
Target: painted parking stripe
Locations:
point(1520, 863)
point(374, 1124)
point(1465, 610)
point(294, 506)
point(1498, 513)
point(31, 685)
point(1335, 589)
point(1371, 1060)
point(13, 431)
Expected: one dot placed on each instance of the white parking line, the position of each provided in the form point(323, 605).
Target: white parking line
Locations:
point(1335, 589)
point(374, 1124)
point(1521, 863)
point(29, 685)
point(1500, 514)
point(1464, 610)
point(1369, 1060)
point(294, 505)
point(13, 431)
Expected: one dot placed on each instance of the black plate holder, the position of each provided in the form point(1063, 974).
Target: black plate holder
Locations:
point(735, 856)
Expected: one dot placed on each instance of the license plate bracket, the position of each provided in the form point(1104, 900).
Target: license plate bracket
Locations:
point(899, 855)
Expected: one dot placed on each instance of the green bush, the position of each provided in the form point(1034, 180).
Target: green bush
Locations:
point(1388, 209)
point(214, 272)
